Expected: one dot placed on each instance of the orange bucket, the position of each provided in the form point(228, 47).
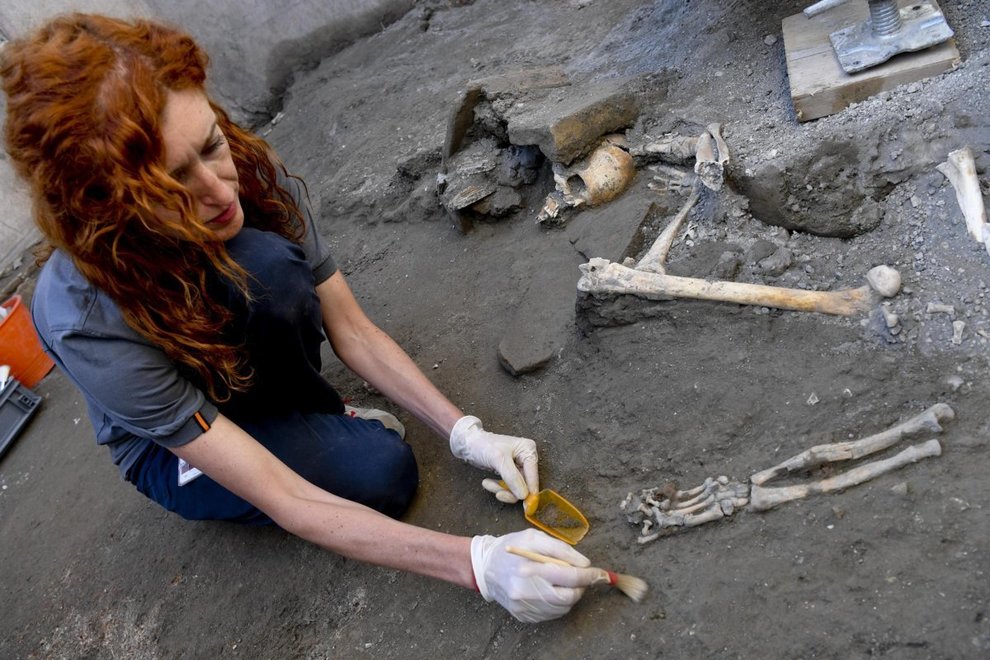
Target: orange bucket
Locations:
point(19, 345)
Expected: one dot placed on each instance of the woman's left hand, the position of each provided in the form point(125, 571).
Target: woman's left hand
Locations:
point(513, 458)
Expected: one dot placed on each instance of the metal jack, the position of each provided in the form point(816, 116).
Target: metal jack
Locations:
point(888, 31)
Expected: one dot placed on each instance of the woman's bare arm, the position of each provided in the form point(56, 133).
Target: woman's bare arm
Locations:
point(375, 357)
point(242, 465)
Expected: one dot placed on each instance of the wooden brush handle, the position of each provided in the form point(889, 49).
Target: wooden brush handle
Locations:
point(535, 556)
point(612, 578)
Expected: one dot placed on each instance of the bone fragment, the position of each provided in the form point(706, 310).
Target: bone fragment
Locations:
point(671, 147)
point(957, 332)
point(938, 308)
point(653, 261)
point(763, 498)
point(885, 280)
point(668, 178)
point(706, 164)
point(889, 317)
point(925, 422)
point(720, 146)
point(601, 276)
point(960, 170)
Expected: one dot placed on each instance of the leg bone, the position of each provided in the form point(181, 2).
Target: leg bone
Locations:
point(601, 276)
point(653, 260)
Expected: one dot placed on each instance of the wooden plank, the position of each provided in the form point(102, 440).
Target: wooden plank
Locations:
point(820, 87)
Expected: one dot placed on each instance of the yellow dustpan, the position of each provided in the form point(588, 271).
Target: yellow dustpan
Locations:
point(549, 511)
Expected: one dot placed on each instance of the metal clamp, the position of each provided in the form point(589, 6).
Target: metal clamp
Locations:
point(888, 31)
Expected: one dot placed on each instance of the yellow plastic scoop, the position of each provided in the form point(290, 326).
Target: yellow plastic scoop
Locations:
point(549, 511)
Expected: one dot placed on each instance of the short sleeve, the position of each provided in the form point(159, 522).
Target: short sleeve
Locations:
point(136, 387)
point(131, 388)
point(321, 262)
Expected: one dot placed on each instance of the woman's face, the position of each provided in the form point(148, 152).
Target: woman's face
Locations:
point(197, 156)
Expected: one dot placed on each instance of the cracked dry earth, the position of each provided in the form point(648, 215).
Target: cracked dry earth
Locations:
point(635, 394)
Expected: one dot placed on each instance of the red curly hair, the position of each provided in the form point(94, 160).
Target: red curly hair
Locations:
point(85, 96)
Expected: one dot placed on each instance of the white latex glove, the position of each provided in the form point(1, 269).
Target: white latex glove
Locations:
point(531, 591)
point(513, 458)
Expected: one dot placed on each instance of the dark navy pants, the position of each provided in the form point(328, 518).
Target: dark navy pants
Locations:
point(290, 408)
point(357, 459)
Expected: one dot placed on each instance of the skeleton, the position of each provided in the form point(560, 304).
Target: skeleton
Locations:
point(657, 510)
point(960, 170)
point(648, 278)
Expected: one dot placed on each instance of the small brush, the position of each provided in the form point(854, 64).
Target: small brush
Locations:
point(631, 586)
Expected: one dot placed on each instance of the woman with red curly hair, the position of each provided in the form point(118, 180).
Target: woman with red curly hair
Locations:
point(187, 293)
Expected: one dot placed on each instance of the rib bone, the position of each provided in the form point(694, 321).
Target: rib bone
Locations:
point(960, 170)
point(601, 276)
point(926, 422)
point(763, 498)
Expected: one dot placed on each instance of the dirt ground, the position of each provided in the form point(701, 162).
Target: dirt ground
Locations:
point(635, 395)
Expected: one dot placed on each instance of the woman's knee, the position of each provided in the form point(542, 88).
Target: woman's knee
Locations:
point(390, 483)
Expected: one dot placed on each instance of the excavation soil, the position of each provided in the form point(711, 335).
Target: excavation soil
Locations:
point(634, 394)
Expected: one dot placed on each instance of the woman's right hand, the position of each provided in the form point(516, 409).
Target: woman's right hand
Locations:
point(531, 591)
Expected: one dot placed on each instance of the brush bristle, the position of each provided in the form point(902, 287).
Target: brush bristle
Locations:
point(631, 586)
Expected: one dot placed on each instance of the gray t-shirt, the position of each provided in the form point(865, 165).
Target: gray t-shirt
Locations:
point(135, 395)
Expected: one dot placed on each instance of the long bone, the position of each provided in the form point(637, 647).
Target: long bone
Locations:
point(601, 276)
point(763, 498)
point(926, 422)
point(960, 170)
point(653, 260)
point(670, 147)
point(711, 157)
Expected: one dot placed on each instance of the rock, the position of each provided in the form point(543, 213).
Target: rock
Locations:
point(544, 317)
point(519, 165)
point(885, 280)
point(760, 250)
point(777, 263)
point(570, 121)
point(770, 40)
point(505, 201)
point(727, 267)
point(901, 489)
